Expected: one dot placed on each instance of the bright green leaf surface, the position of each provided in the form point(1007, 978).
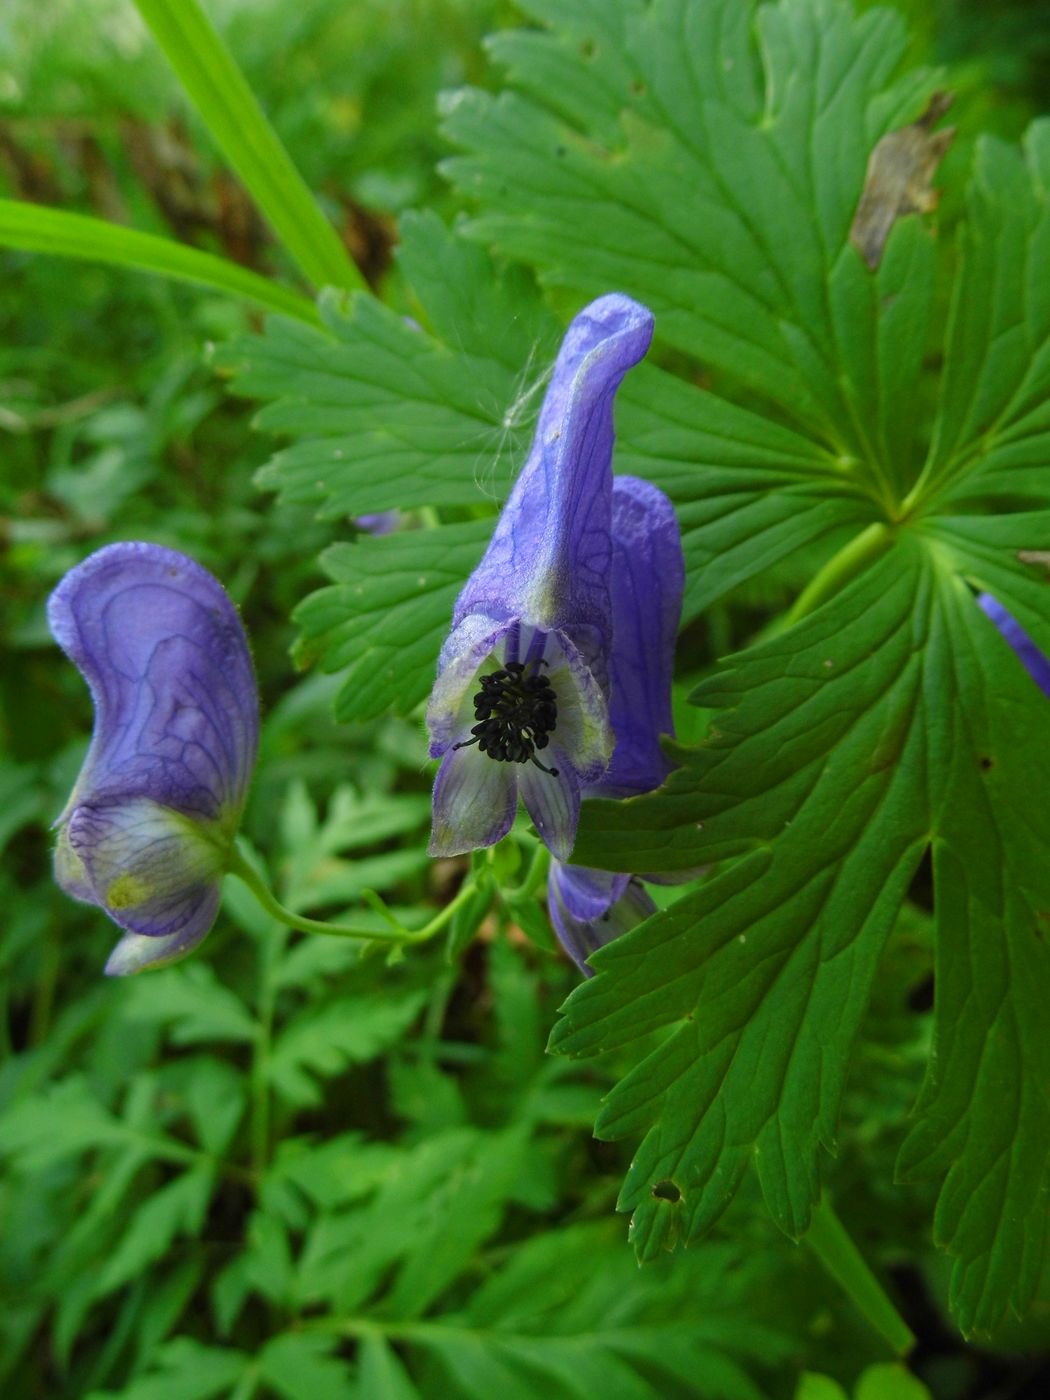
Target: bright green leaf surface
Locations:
point(893, 714)
point(297, 1365)
point(889, 1382)
point(387, 613)
point(992, 436)
point(709, 159)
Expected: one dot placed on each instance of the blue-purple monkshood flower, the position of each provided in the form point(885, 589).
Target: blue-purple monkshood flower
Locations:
point(149, 826)
point(1034, 661)
point(520, 705)
point(589, 908)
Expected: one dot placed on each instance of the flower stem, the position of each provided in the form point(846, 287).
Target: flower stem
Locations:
point(534, 877)
point(851, 560)
point(271, 950)
point(397, 933)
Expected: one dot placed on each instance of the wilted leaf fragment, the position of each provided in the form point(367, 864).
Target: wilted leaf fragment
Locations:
point(898, 179)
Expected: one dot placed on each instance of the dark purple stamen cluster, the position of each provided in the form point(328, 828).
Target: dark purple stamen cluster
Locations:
point(516, 710)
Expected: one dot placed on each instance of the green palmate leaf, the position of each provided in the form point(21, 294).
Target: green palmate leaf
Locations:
point(385, 413)
point(747, 491)
point(892, 715)
point(992, 435)
point(984, 1114)
point(779, 950)
point(709, 160)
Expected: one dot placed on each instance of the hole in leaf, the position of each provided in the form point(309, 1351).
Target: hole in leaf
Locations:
point(986, 763)
point(920, 998)
point(667, 1191)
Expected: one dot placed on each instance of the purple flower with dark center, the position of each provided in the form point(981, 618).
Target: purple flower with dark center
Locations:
point(148, 829)
point(589, 908)
point(520, 704)
point(1034, 661)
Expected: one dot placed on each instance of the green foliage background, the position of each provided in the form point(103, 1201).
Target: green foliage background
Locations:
point(285, 1169)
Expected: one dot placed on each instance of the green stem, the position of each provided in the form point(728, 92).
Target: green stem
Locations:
point(227, 105)
point(851, 560)
point(33, 228)
point(245, 872)
point(835, 1249)
point(269, 958)
point(534, 876)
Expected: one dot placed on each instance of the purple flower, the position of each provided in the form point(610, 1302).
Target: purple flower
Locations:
point(589, 908)
point(1033, 660)
point(148, 829)
point(524, 671)
point(382, 522)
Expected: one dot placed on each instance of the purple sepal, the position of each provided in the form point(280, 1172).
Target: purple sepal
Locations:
point(1034, 661)
point(148, 827)
point(474, 803)
point(590, 908)
point(541, 597)
point(648, 579)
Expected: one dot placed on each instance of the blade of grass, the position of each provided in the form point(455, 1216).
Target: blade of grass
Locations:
point(34, 228)
point(227, 105)
point(835, 1249)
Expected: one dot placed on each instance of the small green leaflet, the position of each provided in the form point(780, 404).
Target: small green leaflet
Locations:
point(992, 435)
point(386, 614)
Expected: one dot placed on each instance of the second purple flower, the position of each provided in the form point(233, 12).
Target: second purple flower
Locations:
point(521, 702)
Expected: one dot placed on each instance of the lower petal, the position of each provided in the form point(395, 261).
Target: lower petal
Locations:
point(71, 874)
point(553, 801)
point(152, 869)
point(582, 937)
point(138, 952)
point(586, 893)
point(475, 798)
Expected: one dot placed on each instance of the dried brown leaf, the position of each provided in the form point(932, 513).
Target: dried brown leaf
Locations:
point(898, 179)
